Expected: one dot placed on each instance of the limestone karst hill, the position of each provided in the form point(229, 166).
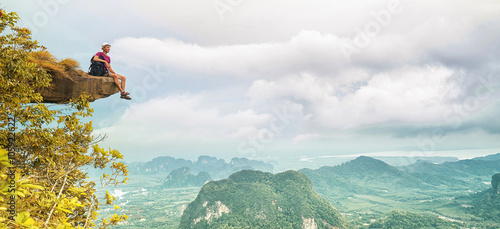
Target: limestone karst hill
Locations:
point(255, 199)
point(68, 82)
point(183, 177)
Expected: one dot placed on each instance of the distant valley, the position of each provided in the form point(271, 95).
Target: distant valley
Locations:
point(368, 192)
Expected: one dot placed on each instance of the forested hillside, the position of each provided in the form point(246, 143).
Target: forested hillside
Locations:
point(486, 204)
point(366, 175)
point(401, 219)
point(367, 189)
point(254, 199)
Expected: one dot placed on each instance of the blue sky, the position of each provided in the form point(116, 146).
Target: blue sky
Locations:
point(275, 78)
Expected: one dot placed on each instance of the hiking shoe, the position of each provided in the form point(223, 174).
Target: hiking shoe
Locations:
point(125, 97)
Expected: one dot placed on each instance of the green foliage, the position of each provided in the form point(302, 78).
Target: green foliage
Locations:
point(366, 175)
point(19, 76)
point(495, 182)
point(52, 144)
point(254, 199)
point(366, 189)
point(401, 219)
point(486, 205)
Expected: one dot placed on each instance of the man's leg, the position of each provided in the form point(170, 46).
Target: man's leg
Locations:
point(124, 94)
point(123, 79)
point(117, 82)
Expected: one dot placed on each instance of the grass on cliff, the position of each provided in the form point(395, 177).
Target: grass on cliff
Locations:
point(56, 68)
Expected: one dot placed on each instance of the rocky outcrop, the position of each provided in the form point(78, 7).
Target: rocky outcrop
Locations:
point(68, 82)
point(215, 211)
point(309, 223)
point(64, 87)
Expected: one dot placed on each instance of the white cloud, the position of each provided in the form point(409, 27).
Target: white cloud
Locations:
point(313, 51)
point(404, 95)
point(258, 21)
point(308, 51)
point(184, 117)
point(273, 39)
point(408, 95)
point(305, 137)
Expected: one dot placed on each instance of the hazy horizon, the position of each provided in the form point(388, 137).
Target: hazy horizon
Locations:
point(460, 155)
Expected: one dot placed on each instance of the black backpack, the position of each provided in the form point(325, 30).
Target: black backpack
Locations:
point(97, 68)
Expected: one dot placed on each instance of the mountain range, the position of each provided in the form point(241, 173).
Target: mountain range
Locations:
point(215, 168)
point(366, 175)
point(483, 167)
point(453, 194)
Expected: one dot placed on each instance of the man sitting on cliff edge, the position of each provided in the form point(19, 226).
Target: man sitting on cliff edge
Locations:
point(110, 72)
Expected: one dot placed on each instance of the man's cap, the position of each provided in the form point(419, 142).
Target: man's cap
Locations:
point(105, 44)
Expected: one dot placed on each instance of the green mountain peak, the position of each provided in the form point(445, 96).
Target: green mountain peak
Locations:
point(254, 199)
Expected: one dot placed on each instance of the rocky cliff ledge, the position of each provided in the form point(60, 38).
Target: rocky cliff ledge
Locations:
point(68, 82)
point(70, 86)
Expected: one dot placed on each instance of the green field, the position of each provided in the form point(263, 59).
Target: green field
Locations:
point(150, 205)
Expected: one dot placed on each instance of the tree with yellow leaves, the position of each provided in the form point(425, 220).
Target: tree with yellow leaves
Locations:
point(43, 183)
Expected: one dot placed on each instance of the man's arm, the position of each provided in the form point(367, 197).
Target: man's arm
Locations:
point(109, 68)
point(96, 58)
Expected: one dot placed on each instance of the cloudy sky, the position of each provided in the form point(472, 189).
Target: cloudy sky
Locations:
point(287, 78)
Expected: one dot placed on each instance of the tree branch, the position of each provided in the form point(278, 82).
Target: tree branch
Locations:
point(57, 201)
